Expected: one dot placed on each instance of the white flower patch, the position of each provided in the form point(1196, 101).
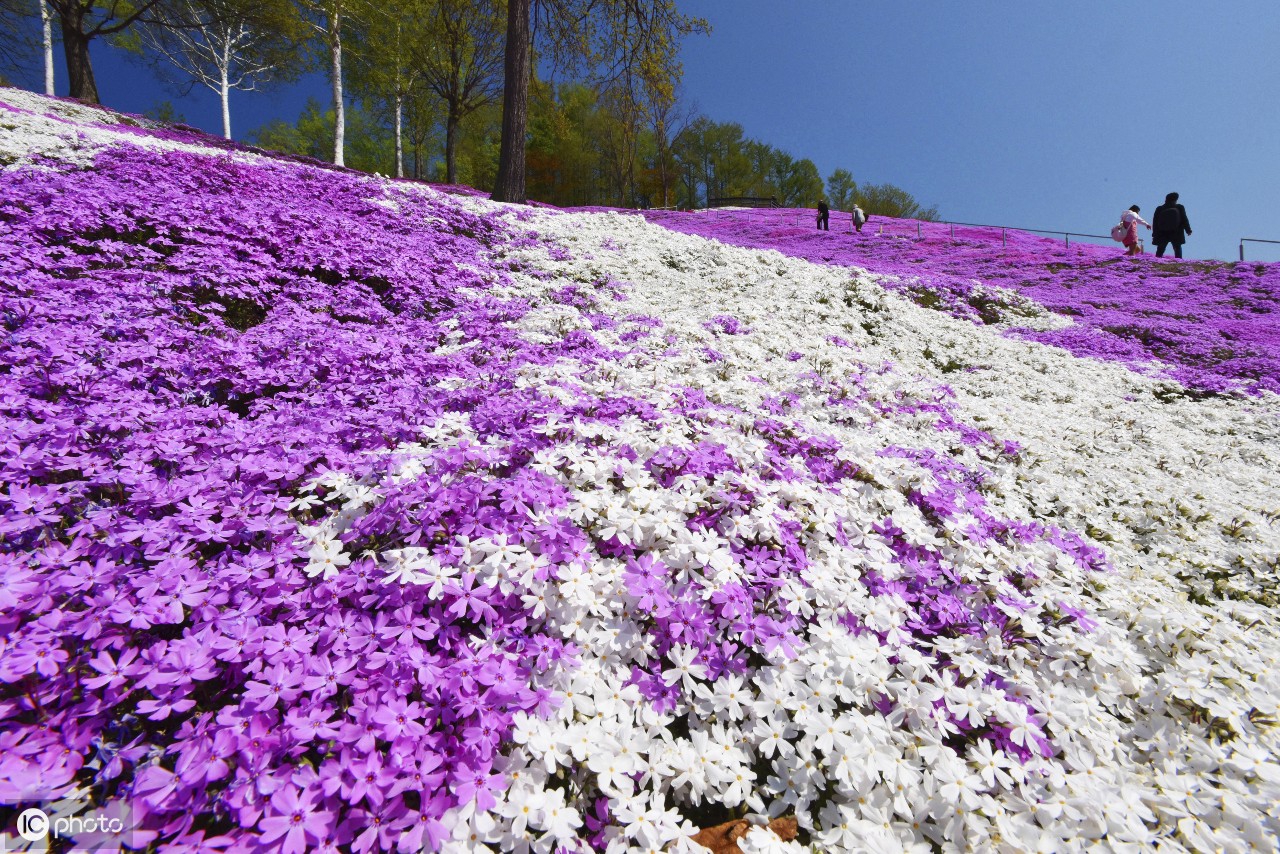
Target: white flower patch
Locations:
point(811, 716)
point(33, 127)
point(1193, 668)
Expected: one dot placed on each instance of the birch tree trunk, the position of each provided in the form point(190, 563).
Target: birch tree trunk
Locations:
point(225, 69)
point(46, 20)
point(335, 46)
point(399, 137)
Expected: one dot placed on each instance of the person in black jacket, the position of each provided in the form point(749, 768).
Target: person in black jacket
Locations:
point(824, 216)
point(1168, 225)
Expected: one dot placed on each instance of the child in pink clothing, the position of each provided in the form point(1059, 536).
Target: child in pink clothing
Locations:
point(1131, 219)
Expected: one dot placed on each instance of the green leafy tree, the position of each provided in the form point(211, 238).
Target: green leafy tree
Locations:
point(799, 182)
point(692, 160)
point(720, 159)
point(167, 113)
point(327, 20)
point(462, 61)
point(385, 75)
point(841, 189)
point(368, 140)
point(612, 38)
point(563, 165)
point(729, 172)
point(888, 200)
point(479, 139)
point(763, 158)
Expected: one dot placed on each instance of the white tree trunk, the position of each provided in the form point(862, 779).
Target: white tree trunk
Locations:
point(226, 107)
point(399, 138)
point(46, 19)
point(335, 45)
point(226, 91)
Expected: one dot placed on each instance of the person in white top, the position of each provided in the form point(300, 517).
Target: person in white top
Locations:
point(1130, 218)
point(859, 218)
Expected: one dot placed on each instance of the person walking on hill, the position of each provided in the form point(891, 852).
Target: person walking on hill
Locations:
point(824, 216)
point(859, 219)
point(1169, 225)
point(1130, 220)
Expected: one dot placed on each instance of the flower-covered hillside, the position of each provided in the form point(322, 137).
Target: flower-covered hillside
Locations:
point(1213, 326)
point(342, 513)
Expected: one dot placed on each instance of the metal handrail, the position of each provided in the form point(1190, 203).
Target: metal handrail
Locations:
point(747, 201)
point(1245, 240)
point(1067, 234)
point(1004, 231)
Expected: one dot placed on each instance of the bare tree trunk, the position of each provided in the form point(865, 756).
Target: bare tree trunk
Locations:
point(400, 87)
point(225, 68)
point(510, 183)
point(451, 149)
point(46, 21)
point(339, 120)
point(75, 48)
point(399, 137)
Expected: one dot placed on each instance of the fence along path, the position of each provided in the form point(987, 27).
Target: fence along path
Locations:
point(760, 202)
point(1245, 240)
point(921, 224)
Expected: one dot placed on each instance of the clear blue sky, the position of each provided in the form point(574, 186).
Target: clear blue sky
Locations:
point(1054, 115)
point(1035, 114)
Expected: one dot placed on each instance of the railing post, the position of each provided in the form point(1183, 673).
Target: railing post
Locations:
point(1004, 242)
point(918, 234)
point(1241, 250)
point(953, 232)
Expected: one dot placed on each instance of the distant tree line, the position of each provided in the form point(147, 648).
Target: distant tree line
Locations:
point(447, 90)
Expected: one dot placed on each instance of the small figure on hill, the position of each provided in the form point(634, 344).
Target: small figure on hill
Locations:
point(1130, 219)
point(1169, 225)
point(824, 216)
point(859, 218)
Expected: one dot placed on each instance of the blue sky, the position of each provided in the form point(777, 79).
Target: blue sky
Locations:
point(1041, 115)
point(1038, 115)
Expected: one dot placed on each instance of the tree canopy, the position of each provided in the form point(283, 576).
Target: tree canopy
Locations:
point(454, 90)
